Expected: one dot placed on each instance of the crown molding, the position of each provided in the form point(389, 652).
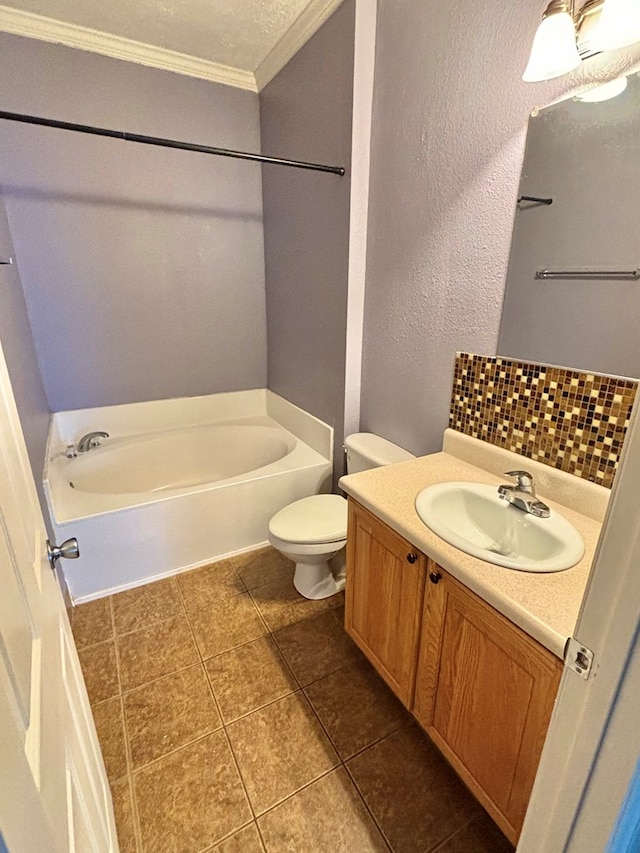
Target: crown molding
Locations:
point(306, 25)
point(40, 27)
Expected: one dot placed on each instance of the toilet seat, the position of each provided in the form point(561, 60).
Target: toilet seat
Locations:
point(316, 519)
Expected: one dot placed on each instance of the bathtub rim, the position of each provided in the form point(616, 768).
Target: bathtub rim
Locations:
point(266, 408)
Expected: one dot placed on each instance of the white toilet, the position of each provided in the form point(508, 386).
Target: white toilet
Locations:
point(312, 530)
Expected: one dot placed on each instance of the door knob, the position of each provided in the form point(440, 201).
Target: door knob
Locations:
point(69, 550)
point(412, 558)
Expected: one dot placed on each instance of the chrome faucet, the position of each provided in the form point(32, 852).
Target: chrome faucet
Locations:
point(523, 494)
point(90, 440)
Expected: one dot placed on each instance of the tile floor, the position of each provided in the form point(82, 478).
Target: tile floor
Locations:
point(234, 715)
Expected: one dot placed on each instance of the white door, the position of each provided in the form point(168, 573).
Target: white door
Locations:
point(54, 795)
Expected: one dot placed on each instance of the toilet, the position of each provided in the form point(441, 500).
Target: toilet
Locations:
point(313, 530)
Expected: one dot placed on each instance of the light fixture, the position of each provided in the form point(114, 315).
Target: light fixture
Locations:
point(604, 92)
point(554, 51)
point(618, 25)
point(566, 34)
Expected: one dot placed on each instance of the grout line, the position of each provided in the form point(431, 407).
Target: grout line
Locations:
point(240, 776)
point(212, 847)
point(146, 684)
point(443, 842)
point(137, 770)
point(137, 831)
point(261, 837)
point(367, 807)
point(298, 791)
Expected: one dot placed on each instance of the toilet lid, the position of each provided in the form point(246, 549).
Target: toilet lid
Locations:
point(319, 518)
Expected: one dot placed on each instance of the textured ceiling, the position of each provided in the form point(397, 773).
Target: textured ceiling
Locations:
point(235, 33)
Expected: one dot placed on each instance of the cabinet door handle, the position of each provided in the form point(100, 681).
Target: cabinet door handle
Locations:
point(411, 558)
point(435, 577)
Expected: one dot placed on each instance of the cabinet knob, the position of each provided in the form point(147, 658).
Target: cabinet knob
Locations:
point(435, 577)
point(411, 558)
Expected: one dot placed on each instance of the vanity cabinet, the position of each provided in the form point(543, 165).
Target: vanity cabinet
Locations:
point(385, 587)
point(479, 685)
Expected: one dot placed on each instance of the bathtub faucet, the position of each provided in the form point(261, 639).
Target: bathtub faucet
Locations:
point(90, 440)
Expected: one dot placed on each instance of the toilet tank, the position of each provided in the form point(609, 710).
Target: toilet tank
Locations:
point(365, 450)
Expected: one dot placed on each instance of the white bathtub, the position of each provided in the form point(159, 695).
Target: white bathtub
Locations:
point(178, 483)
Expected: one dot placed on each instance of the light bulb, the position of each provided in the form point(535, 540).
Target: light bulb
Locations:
point(554, 51)
point(618, 25)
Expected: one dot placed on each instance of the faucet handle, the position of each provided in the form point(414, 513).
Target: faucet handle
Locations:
point(523, 478)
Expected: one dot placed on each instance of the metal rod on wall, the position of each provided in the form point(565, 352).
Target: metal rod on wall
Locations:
point(535, 199)
point(170, 143)
point(589, 274)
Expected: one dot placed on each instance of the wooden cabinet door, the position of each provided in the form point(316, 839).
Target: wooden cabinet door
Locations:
point(385, 586)
point(484, 693)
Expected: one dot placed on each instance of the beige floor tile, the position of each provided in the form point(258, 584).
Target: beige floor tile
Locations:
point(327, 817)
point(155, 651)
point(248, 677)
point(100, 671)
point(479, 836)
point(264, 566)
point(227, 623)
point(245, 841)
point(203, 586)
point(110, 728)
point(123, 811)
point(91, 623)
point(416, 798)
point(281, 604)
point(279, 749)
point(315, 647)
point(140, 607)
point(169, 713)
point(191, 799)
point(356, 707)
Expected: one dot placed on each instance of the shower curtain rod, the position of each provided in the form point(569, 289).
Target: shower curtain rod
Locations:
point(169, 143)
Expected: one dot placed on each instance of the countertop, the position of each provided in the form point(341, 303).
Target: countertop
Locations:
point(545, 605)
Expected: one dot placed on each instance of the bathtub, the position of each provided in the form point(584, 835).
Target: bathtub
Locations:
point(178, 483)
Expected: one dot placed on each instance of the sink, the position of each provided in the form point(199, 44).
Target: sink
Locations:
point(471, 517)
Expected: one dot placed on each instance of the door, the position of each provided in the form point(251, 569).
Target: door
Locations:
point(54, 795)
point(484, 694)
point(385, 584)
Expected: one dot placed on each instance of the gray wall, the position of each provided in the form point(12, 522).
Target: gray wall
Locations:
point(449, 124)
point(20, 356)
point(142, 267)
point(306, 114)
point(586, 157)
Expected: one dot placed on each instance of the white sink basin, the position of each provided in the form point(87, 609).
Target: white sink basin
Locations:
point(472, 517)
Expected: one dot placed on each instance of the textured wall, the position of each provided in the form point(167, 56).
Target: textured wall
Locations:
point(306, 114)
point(586, 157)
point(20, 356)
point(449, 124)
point(142, 267)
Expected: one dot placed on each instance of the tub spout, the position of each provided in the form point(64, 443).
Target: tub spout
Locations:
point(91, 440)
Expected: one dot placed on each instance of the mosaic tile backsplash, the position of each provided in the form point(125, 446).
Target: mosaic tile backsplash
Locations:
point(572, 420)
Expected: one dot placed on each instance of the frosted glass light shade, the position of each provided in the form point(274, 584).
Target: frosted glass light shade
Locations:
point(604, 92)
point(618, 25)
point(554, 51)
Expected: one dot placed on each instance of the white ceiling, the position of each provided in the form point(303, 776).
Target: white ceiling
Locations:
point(239, 42)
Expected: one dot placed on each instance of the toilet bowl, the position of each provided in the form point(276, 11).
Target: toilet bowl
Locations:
point(310, 532)
point(313, 530)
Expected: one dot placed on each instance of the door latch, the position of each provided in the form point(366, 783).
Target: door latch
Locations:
point(578, 658)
